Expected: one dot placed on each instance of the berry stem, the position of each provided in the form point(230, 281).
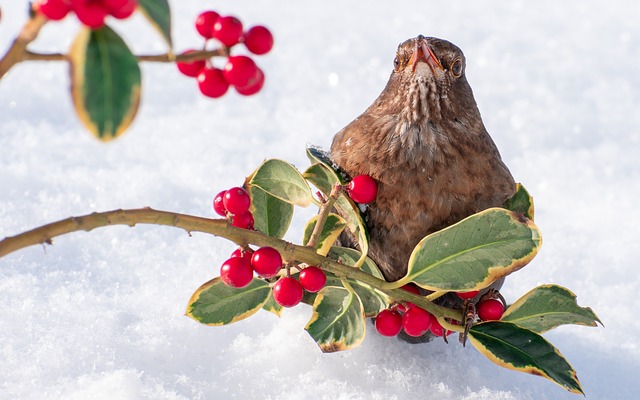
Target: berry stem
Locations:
point(325, 209)
point(18, 52)
point(217, 227)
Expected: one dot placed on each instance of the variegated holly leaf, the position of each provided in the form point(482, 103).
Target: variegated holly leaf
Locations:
point(332, 228)
point(105, 82)
point(548, 306)
point(521, 202)
point(519, 349)
point(215, 303)
point(281, 180)
point(338, 321)
point(473, 253)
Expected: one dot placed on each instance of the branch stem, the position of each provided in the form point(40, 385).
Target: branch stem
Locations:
point(18, 51)
point(217, 227)
point(325, 210)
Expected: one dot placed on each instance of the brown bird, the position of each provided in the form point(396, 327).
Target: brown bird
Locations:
point(424, 142)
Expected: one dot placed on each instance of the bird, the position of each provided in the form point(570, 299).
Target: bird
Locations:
point(424, 142)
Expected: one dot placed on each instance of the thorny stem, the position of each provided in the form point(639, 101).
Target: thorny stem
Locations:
point(18, 52)
point(325, 210)
point(217, 227)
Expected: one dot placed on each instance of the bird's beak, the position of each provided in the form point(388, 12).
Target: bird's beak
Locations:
point(422, 52)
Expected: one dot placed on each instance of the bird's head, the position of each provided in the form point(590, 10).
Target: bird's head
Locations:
point(428, 79)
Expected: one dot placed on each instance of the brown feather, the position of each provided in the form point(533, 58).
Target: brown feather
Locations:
point(423, 140)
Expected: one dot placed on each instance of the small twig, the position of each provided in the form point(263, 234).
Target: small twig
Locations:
point(18, 52)
point(325, 210)
point(218, 227)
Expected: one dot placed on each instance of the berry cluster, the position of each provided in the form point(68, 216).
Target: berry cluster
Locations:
point(416, 321)
point(92, 13)
point(234, 204)
point(266, 262)
point(362, 189)
point(239, 71)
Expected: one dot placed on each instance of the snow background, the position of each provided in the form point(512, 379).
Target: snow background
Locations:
point(100, 315)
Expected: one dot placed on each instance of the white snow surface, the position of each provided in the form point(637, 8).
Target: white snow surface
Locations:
point(100, 315)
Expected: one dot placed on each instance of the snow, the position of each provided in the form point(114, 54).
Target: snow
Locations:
point(100, 315)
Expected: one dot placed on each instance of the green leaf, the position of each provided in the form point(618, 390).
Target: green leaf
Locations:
point(318, 156)
point(337, 322)
point(105, 82)
point(373, 301)
point(350, 257)
point(473, 253)
point(272, 306)
point(323, 176)
point(283, 181)
point(332, 228)
point(521, 202)
point(271, 215)
point(547, 307)
point(215, 303)
point(519, 349)
point(159, 14)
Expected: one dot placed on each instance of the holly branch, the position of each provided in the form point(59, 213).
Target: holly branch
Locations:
point(218, 227)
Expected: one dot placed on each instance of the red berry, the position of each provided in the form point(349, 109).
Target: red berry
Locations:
point(255, 84)
point(53, 9)
point(218, 204)
point(121, 9)
point(239, 70)
point(258, 40)
point(266, 261)
point(191, 68)
point(228, 30)
point(90, 13)
point(236, 200)
point(312, 279)
point(236, 272)
point(412, 289)
point(244, 220)
point(388, 323)
point(204, 23)
point(467, 295)
point(211, 82)
point(245, 253)
point(287, 292)
point(416, 321)
point(437, 329)
point(490, 310)
point(362, 189)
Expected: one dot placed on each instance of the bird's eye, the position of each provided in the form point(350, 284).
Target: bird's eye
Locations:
point(456, 68)
point(396, 62)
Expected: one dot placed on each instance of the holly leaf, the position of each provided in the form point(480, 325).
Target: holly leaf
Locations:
point(548, 306)
point(283, 181)
point(337, 322)
point(272, 306)
point(215, 303)
point(159, 15)
point(473, 253)
point(519, 349)
point(521, 202)
point(323, 175)
point(271, 215)
point(348, 256)
point(105, 82)
point(332, 228)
